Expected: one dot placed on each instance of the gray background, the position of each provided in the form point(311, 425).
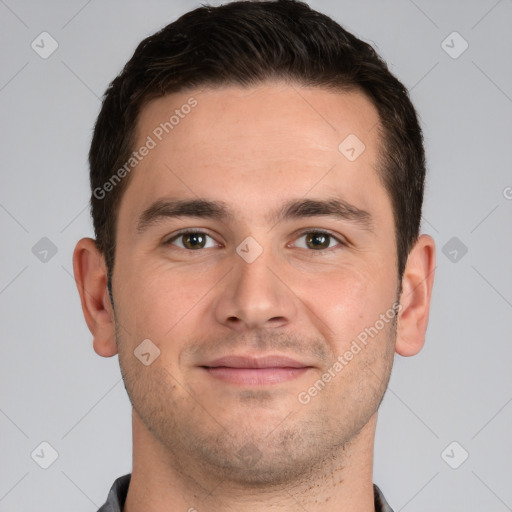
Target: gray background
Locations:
point(54, 387)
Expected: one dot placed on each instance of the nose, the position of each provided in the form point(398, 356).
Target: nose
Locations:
point(255, 296)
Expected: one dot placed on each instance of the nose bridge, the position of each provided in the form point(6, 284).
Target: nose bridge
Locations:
point(255, 296)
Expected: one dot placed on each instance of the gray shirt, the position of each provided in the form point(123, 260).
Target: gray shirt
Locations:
point(118, 492)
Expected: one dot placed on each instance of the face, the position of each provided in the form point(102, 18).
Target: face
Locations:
point(269, 305)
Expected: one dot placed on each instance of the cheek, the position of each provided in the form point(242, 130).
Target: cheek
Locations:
point(160, 302)
point(347, 301)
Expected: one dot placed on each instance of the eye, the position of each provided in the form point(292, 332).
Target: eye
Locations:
point(318, 240)
point(194, 239)
point(191, 239)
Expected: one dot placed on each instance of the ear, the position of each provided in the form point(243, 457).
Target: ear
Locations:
point(91, 280)
point(417, 282)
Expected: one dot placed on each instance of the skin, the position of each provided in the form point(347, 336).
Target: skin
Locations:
point(254, 149)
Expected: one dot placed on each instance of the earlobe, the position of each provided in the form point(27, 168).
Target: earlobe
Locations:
point(91, 280)
point(417, 283)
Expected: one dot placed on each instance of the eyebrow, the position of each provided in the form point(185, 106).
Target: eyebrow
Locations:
point(163, 209)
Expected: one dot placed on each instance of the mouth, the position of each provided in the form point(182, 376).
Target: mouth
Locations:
point(253, 371)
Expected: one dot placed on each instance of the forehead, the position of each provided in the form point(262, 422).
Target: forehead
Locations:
point(224, 115)
point(257, 144)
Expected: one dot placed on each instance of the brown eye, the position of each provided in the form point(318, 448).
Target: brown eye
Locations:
point(318, 241)
point(191, 240)
point(194, 240)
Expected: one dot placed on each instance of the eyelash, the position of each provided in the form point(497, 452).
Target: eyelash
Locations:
point(301, 234)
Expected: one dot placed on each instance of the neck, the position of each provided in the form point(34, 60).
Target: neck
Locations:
point(161, 481)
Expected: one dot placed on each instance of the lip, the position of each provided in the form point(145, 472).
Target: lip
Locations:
point(270, 361)
point(254, 371)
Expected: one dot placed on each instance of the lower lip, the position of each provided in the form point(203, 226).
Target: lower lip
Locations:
point(255, 376)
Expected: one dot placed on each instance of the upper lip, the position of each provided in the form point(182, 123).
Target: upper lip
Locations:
point(270, 361)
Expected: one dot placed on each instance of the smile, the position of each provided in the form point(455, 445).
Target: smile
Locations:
point(251, 371)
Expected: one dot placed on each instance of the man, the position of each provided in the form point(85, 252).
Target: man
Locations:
point(257, 183)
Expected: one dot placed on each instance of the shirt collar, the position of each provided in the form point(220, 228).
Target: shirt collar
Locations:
point(119, 490)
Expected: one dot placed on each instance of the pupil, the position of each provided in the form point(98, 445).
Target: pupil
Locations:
point(317, 239)
point(194, 240)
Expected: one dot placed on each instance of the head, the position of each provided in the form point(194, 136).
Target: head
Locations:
point(246, 44)
point(297, 157)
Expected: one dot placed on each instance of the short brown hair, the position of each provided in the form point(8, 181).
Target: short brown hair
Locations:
point(246, 43)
